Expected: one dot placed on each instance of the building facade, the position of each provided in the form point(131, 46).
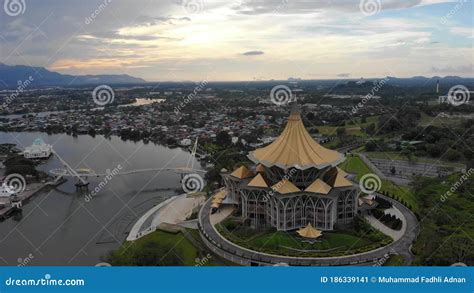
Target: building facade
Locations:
point(294, 181)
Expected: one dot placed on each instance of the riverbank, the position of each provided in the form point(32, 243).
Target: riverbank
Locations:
point(63, 228)
point(6, 208)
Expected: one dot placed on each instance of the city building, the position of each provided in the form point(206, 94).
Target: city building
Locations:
point(294, 182)
point(38, 150)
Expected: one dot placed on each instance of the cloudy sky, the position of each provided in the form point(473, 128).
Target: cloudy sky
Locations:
point(240, 39)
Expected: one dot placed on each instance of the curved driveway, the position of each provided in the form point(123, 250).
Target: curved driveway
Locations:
point(238, 254)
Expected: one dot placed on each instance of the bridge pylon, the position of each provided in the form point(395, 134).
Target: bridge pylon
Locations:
point(81, 181)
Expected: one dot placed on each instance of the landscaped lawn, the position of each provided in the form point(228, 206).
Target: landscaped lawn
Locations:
point(162, 249)
point(288, 243)
point(354, 164)
point(400, 157)
point(394, 260)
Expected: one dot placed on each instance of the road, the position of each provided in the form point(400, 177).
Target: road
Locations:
point(245, 256)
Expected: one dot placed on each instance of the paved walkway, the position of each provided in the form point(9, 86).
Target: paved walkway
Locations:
point(220, 215)
point(137, 230)
point(395, 234)
point(242, 255)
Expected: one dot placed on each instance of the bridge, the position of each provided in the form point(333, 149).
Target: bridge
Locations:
point(82, 174)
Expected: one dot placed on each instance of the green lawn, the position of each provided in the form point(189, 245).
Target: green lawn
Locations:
point(354, 164)
point(443, 122)
point(343, 242)
point(394, 260)
point(163, 249)
point(400, 157)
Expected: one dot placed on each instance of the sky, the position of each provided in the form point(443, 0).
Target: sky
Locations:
point(176, 40)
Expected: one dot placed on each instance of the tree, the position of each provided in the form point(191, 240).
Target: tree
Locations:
point(453, 155)
point(393, 170)
point(370, 146)
point(370, 129)
point(310, 116)
point(340, 131)
point(223, 138)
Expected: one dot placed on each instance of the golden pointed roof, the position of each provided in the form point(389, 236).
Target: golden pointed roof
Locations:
point(336, 179)
point(221, 194)
point(295, 148)
point(258, 181)
point(242, 172)
point(309, 232)
point(285, 186)
point(343, 173)
point(318, 186)
point(217, 200)
point(260, 168)
point(215, 205)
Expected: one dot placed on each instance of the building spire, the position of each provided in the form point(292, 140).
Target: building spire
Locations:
point(295, 109)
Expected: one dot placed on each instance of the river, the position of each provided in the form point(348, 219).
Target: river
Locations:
point(58, 227)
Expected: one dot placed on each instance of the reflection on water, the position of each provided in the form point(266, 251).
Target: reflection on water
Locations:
point(59, 227)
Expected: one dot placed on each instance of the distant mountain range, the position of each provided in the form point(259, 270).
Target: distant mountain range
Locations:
point(11, 75)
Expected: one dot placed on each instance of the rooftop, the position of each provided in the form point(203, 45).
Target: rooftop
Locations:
point(296, 148)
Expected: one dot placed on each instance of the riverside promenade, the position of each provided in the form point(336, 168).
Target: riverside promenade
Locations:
point(243, 256)
point(174, 210)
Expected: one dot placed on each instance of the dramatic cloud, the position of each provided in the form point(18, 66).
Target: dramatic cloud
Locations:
point(170, 40)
